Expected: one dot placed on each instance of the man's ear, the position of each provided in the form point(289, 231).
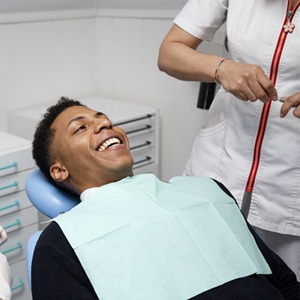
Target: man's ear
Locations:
point(59, 172)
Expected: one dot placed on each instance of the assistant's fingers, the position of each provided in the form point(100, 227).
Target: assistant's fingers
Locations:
point(290, 102)
point(296, 112)
point(251, 96)
point(268, 90)
point(239, 95)
point(258, 93)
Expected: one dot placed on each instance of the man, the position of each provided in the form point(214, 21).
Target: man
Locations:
point(136, 237)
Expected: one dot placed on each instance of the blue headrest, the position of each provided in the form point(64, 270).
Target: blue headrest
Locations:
point(46, 197)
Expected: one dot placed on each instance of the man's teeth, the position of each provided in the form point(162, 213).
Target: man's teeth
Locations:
point(108, 143)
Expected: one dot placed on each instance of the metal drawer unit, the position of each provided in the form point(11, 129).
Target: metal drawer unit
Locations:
point(139, 122)
point(141, 133)
point(17, 216)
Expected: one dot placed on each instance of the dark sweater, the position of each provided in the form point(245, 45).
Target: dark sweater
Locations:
point(57, 274)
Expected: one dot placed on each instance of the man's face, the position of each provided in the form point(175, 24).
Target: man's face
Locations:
point(88, 150)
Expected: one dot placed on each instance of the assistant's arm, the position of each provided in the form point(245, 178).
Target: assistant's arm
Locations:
point(179, 58)
point(56, 270)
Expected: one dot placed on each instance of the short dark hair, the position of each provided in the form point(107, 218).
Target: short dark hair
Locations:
point(43, 136)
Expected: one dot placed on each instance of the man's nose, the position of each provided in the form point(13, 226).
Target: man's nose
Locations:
point(102, 124)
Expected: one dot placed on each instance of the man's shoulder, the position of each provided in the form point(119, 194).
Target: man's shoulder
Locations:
point(52, 234)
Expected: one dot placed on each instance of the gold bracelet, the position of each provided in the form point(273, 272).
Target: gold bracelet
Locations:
point(217, 70)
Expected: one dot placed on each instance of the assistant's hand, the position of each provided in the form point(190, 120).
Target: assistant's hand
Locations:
point(292, 101)
point(246, 82)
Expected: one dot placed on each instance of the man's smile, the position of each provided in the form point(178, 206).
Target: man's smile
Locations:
point(108, 143)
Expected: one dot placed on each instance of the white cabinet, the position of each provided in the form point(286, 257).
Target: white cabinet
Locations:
point(139, 122)
point(17, 216)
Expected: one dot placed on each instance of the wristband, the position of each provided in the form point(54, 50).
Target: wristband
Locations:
point(217, 70)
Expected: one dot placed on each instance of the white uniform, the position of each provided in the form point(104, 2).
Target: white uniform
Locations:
point(224, 147)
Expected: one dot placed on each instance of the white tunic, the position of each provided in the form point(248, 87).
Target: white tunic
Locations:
point(224, 147)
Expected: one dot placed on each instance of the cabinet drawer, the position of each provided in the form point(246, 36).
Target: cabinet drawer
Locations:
point(13, 183)
point(143, 148)
point(143, 157)
point(13, 203)
point(142, 141)
point(15, 247)
point(138, 125)
point(19, 219)
point(19, 160)
point(20, 286)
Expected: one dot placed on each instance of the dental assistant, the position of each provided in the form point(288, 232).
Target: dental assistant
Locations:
point(246, 129)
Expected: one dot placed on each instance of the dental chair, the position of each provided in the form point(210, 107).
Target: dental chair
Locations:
point(50, 201)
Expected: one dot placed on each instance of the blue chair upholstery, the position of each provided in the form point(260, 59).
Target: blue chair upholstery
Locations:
point(29, 252)
point(50, 201)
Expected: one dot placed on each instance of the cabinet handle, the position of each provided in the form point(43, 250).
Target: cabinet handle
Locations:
point(17, 223)
point(21, 284)
point(147, 143)
point(18, 246)
point(13, 165)
point(139, 129)
point(15, 183)
point(143, 160)
point(148, 116)
point(17, 202)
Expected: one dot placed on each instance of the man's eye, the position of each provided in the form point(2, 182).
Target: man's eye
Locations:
point(80, 128)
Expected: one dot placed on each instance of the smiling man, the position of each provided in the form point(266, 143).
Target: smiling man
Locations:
point(75, 134)
point(136, 237)
point(106, 154)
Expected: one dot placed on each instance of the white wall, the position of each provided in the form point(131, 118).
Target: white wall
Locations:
point(40, 61)
point(127, 69)
point(113, 54)
point(19, 6)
